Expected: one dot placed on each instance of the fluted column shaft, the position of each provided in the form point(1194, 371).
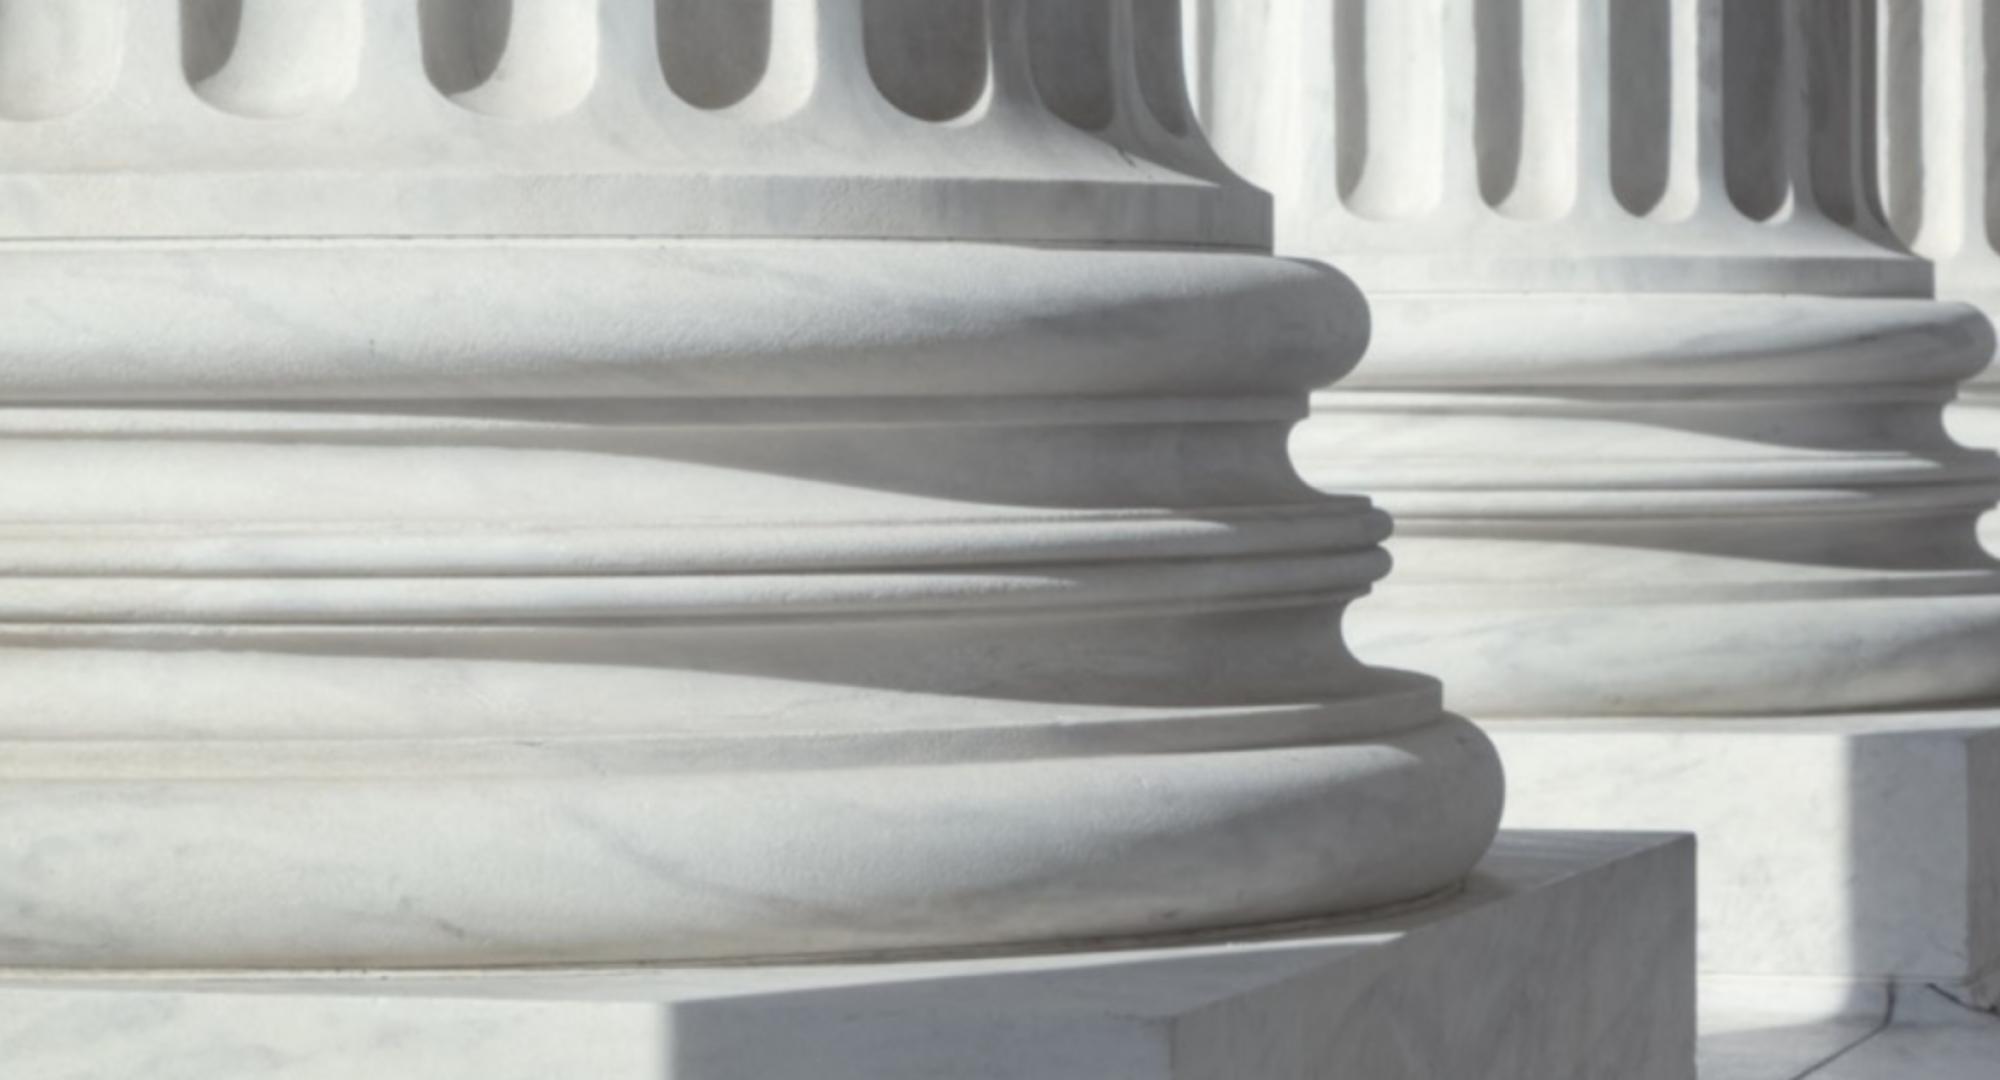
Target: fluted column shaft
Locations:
point(564, 481)
point(1653, 398)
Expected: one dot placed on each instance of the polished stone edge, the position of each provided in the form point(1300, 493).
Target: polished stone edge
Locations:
point(1838, 852)
point(1567, 954)
point(638, 863)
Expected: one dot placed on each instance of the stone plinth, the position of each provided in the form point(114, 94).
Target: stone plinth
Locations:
point(1566, 955)
point(1869, 855)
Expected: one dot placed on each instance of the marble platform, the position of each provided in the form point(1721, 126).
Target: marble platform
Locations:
point(1882, 1032)
point(1856, 850)
point(1567, 955)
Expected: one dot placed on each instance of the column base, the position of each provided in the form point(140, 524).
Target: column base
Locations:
point(1567, 954)
point(1838, 853)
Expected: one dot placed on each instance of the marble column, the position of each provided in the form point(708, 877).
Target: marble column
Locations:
point(1659, 431)
point(562, 482)
point(1656, 401)
point(1938, 84)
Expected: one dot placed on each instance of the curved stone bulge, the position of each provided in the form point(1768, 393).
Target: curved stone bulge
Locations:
point(1548, 653)
point(808, 587)
point(697, 601)
point(1976, 422)
point(1686, 505)
point(795, 674)
point(1786, 342)
point(765, 322)
point(1974, 419)
point(622, 865)
point(807, 783)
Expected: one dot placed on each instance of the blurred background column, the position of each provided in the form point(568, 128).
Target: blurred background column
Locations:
point(1938, 79)
point(1656, 401)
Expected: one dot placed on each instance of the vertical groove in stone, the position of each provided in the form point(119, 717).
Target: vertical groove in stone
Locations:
point(713, 55)
point(1839, 45)
point(1391, 105)
point(1986, 142)
point(1935, 140)
point(1859, 204)
point(1753, 146)
point(1156, 46)
point(271, 58)
point(1350, 96)
point(927, 57)
point(511, 58)
point(1526, 125)
point(1498, 95)
point(57, 56)
point(1649, 81)
point(1069, 54)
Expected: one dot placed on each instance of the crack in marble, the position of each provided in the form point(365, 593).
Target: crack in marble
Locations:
point(1888, 1018)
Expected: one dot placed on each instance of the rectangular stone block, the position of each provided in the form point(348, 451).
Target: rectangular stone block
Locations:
point(1567, 955)
point(1862, 848)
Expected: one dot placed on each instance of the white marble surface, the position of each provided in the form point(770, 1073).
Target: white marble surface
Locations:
point(1907, 1033)
point(1568, 955)
point(477, 493)
point(1770, 1045)
point(1860, 847)
point(1960, 1052)
point(1061, 123)
point(865, 596)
